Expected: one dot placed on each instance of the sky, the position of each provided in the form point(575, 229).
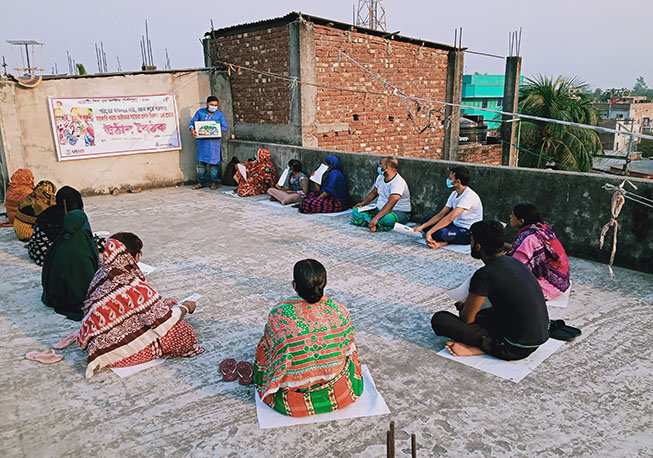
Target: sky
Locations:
point(606, 44)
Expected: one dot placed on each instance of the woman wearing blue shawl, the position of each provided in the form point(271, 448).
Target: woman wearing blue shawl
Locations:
point(332, 195)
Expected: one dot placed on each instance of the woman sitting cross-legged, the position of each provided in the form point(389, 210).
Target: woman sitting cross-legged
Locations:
point(125, 321)
point(306, 362)
point(332, 196)
point(297, 185)
point(537, 246)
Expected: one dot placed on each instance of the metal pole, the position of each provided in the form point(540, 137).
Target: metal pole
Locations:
point(627, 164)
point(27, 54)
point(518, 134)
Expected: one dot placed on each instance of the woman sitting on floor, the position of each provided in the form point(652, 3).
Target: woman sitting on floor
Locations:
point(261, 175)
point(50, 223)
point(20, 186)
point(297, 185)
point(306, 362)
point(126, 322)
point(69, 266)
point(332, 196)
point(31, 207)
point(537, 246)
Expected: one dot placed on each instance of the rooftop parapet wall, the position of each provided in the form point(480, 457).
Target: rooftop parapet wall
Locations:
point(573, 202)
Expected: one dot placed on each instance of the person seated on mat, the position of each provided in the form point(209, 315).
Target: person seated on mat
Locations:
point(297, 185)
point(260, 175)
point(31, 207)
point(332, 195)
point(21, 185)
point(516, 324)
point(393, 199)
point(306, 362)
point(50, 223)
point(463, 208)
point(126, 322)
point(69, 266)
point(537, 246)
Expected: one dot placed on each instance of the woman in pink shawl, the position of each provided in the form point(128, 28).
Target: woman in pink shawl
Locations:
point(125, 321)
point(537, 246)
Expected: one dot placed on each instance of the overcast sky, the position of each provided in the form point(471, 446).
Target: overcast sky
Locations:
point(608, 44)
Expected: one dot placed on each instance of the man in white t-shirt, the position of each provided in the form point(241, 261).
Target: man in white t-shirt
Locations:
point(463, 208)
point(393, 200)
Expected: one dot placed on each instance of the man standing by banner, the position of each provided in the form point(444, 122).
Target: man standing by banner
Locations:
point(209, 150)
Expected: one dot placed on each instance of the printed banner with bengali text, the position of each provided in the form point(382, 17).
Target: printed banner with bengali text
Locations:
point(109, 126)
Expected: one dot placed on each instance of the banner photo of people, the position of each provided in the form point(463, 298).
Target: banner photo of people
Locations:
point(109, 126)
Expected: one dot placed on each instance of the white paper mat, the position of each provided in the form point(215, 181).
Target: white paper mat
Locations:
point(146, 268)
point(193, 297)
point(510, 370)
point(562, 300)
point(370, 403)
point(276, 204)
point(231, 193)
point(334, 214)
point(123, 372)
point(463, 249)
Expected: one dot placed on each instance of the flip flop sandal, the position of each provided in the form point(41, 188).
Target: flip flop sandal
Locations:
point(560, 331)
point(245, 372)
point(46, 357)
point(198, 186)
point(65, 341)
point(228, 370)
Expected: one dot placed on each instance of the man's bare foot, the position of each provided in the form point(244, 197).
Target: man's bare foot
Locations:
point(461, 349)
point(435, 245)
point(373, 228)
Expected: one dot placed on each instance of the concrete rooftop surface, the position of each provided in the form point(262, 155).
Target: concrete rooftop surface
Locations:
point(592, 397)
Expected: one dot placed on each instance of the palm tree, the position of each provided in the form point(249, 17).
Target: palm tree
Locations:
point(569, 147)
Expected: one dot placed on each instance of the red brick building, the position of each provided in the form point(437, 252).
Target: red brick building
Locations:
point(318, 112)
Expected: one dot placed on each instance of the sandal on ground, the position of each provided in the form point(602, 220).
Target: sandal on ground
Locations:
point(46, 357)
point(560, 331)
point(245, 372)
point(214, 186)
point(65, 341)
point(198, 186)
point(228, 370)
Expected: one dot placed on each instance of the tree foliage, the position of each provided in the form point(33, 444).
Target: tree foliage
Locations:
point(569, 147)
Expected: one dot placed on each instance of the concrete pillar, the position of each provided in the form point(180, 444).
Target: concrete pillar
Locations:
point(294, 70)
point(510, 104)
point(455, 68)
point(307, 64)
point(206, 45)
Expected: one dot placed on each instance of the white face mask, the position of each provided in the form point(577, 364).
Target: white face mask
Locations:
point(212, 108)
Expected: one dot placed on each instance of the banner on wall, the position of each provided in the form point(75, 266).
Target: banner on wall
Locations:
point(109, 126)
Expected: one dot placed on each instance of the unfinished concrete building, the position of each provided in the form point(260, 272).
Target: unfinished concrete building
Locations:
point(324, 55)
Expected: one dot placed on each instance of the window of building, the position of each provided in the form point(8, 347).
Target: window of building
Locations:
point(647, 122)
point(500, 102)
point(620, 116)
point(484, 103)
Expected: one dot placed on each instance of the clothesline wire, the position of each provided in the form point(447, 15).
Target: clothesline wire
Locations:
point(397, 92)
point(627, 194)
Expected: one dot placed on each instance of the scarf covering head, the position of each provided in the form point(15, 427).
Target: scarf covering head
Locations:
point(69, 266)
point(547, 258)
point(51, 220)
point(334, 182)
point(302, 344)
point(42, 197)
point(261, 175)
point(20, 185)
point(122, 313)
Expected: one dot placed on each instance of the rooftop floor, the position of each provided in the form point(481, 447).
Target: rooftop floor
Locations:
point(590, 398)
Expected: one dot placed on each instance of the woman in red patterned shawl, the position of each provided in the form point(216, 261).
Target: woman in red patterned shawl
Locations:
point(306, 362)
point(125, 321)
point(261, 175)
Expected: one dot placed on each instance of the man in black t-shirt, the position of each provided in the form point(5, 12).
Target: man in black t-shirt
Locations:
point(516, 324)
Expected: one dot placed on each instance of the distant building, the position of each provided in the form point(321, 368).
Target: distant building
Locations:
point(484, 91)
point(630, 114)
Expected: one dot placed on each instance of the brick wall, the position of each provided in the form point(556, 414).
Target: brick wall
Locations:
point(480, 154)
point(257, 98)
point(378, 124)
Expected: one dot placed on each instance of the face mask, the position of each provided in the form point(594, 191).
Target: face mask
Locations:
point(212, 108)
point(449, 183)
point(378, 169)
